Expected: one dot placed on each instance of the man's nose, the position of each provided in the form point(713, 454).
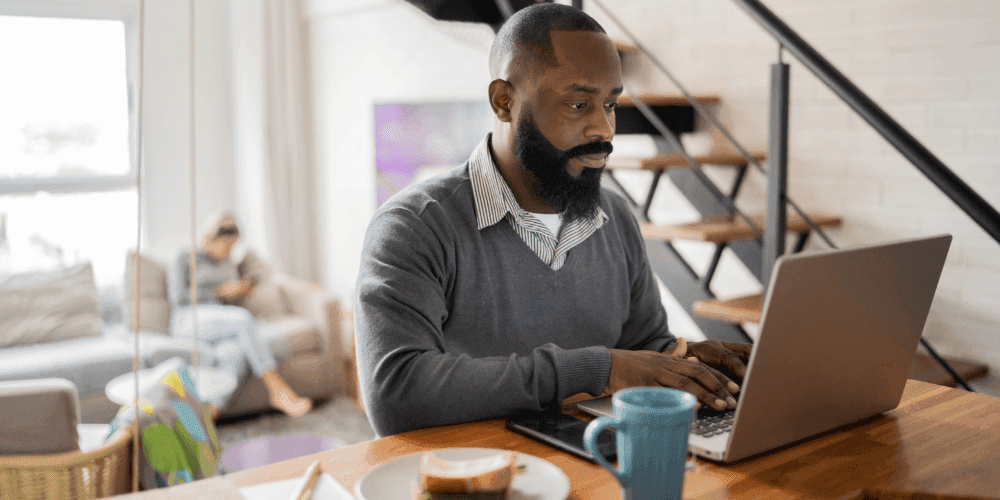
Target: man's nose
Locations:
point(601, 126)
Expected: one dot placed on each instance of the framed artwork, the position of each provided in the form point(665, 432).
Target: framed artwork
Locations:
point(415, 141)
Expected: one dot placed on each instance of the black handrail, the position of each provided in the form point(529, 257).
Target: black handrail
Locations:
point(968, 200)
point(707, 116)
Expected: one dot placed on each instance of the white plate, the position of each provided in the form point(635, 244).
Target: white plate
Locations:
point(392, 480)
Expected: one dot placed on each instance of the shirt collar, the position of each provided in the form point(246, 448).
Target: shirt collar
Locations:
point(493, 197)
point(491, 194)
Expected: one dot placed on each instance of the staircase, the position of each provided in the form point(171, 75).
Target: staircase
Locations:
point(757, 240)
point(719, 319)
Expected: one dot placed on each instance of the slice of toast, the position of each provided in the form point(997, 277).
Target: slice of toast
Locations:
point(491, 474)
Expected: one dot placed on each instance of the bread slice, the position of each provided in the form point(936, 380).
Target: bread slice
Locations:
point(482, 475)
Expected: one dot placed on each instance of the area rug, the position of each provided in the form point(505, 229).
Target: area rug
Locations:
point(338, 419)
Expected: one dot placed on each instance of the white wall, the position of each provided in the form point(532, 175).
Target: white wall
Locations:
point(166, 126)
point(365, 52)
point(933, 65)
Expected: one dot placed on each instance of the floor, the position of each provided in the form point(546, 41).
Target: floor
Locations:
point(338, 418)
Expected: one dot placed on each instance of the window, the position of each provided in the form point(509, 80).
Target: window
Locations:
point(67, 176)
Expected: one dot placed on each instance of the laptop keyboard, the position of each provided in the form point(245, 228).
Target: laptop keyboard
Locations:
point(712, 422)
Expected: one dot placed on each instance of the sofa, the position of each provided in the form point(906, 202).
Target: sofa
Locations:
point(90, 341)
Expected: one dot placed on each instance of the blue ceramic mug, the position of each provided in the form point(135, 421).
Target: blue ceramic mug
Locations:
point(653, 425)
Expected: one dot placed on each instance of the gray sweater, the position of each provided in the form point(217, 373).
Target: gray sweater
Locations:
point(211, 274)
point(454, 324)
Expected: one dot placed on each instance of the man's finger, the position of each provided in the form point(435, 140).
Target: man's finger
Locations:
point(741, 349)
point(691, 386)
point(709, 378)
point(680, 348)
point(730, 386)
point(716, 354)
point(735, 365)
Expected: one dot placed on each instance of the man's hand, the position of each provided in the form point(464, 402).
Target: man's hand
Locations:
point(731, 356)
point(232, 291)
point(651, 368)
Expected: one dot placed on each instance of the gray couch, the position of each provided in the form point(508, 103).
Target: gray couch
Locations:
point(303, 330)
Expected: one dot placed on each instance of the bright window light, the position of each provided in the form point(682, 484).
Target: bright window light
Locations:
point(64, 116)
point(63, 97)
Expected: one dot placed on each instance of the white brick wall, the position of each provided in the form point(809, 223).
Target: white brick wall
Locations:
point(934, 65)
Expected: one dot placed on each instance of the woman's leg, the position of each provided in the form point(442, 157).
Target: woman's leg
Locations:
point(226, 351)
point(229, 357)
point(218, 323)
point(284, 397)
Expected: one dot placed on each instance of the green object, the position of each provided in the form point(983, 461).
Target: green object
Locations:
point(178, 439)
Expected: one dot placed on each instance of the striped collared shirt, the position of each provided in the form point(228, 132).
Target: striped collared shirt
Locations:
point(495, 201)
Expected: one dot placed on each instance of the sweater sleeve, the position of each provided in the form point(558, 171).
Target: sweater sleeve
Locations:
point(646, 328)
point(407, 379)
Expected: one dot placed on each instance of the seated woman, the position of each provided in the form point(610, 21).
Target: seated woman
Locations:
point(219, 321)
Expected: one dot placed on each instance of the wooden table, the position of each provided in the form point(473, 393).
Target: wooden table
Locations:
point(939, 441)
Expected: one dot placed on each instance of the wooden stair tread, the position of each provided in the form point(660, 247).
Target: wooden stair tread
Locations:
point(738, 310)
point(625, 48)
point(669, 99)
point(663, 162)
point(729, 229)
point(924, 368)
point(927, 369)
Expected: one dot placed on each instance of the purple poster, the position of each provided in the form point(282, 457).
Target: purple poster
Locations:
point(416, 141)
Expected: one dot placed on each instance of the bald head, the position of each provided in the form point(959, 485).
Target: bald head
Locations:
point(523, 46)
point(556, 79)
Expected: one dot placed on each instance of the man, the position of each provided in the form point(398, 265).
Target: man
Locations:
point(515, 281)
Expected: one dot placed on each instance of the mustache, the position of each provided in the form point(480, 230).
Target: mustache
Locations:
point(574, 198)
point(589, 148)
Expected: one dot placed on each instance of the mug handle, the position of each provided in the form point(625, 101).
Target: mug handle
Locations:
point(594, 428)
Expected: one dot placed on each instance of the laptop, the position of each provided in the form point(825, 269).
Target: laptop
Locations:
point(838, 333)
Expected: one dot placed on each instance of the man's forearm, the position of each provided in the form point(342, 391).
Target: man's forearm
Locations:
point(412, 377)
point(424, 389)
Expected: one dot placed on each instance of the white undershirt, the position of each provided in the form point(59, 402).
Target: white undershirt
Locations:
point(552, 221)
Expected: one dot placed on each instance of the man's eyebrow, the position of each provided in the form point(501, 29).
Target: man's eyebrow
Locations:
point(576, 87)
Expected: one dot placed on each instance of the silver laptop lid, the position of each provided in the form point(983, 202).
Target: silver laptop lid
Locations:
point(838, 333)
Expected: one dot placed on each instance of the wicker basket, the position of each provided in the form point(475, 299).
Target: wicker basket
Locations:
point(104, 472)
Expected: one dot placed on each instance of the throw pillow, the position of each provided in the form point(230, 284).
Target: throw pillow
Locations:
point(42, 307)
point(265, 301)
point(154, 304)
point(38, 416)
point(177, 436)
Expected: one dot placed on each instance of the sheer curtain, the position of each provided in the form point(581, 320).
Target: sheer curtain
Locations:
point(275, 170)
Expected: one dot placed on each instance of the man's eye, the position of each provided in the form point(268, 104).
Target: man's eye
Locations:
point(612, 105)
point(578, 105)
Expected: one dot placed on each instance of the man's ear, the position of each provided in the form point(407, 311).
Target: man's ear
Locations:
point(501, 99)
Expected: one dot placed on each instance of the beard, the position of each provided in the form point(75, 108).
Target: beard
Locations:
point(573, 198)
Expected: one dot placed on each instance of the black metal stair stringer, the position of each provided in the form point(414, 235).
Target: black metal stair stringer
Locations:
point(750, 252)
point(678, 277)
